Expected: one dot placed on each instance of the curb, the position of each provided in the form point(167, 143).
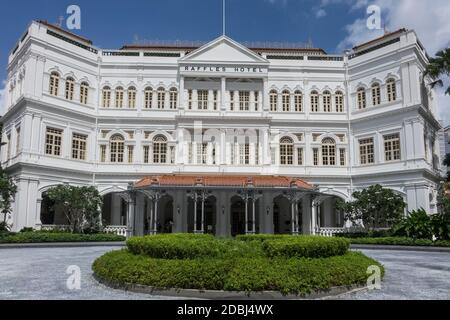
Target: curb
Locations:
point(60, 245)
point(399, 248)
point(227, 295)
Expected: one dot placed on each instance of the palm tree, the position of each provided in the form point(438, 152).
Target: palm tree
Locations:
point(438, 67)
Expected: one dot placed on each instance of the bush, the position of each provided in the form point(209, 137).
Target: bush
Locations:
point(43, 237)
point(306, 246)
point(416, 225)
point(288, 276)
point(400, 241)
point(260, 237)
point(176, 246)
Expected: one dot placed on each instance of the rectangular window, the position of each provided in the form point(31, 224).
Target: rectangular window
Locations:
point(130, 154)
point(339, 103)
point(256, 100)
point(148, 99)
point(273, 101)
point(18, 140)
point(327, 102)
point(79, 143)
point(300, 156)
point(366, 151)
point(298, 102)
point(53, 141)
point(106, 101)
point(191, 153)
point(315, 103)
point(392, 147)
point(316, 156)
point(8, 153)
point(244, 100)
point(84, 93)
point(202, 99)
point(342, 157)
point(244, 154)
point(119, 99)
point(215, 99)
point(131, 99)
point(146, 154)
point(232, 100)
point(376, 95)
point(286, 102)
point(190, 95)
point(102, 153)
point(204, 153)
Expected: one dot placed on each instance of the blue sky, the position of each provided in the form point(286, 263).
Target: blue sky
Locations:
point(330, 24)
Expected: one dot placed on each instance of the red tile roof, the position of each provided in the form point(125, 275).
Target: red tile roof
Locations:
point(223, 181)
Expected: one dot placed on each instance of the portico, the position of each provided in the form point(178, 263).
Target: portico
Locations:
point(225, 206)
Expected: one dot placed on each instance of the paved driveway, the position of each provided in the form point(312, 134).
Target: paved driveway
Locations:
point(40, 273)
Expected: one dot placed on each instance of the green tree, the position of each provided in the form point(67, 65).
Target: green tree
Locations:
point(374, 207)
point(8, 190)
point(439, 67)
point(441, 220)
point(80, 205)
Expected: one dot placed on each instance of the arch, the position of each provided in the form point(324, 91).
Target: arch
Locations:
point(106, 96)
point(114, 209)
point(328, 152)
point(116, 148)
point(119, 97)
point(314, 97)
point(84, 92)
point(54, 83)
point(361, 98)
point(160, 149)
point(70, 88)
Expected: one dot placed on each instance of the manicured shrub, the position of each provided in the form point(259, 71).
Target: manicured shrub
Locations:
point(306, 246)
point(288, 276)
point(176, 246)
point(400, 241)
point(43, 237)
point(261, 237)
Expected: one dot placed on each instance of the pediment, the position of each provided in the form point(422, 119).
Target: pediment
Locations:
point(224, 49)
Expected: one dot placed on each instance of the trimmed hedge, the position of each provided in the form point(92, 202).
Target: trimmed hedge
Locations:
point(176, 246)
point(306, 246)
point(288, 276)
point(44, 237)
point(400, 241)
point(261, 237)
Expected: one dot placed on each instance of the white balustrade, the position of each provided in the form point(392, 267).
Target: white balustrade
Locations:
point(329, 232)
point(118, 230)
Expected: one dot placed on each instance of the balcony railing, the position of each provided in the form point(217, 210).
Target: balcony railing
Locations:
point(329, 232)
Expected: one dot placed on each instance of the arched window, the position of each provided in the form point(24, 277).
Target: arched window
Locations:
point(328, 152)
point(161, 98)
point(106, 97)
point(131, 97)
point(286, 101)
point(326, 101)
point(376, 94)
point(119, 97)
point(314, 101)
point(286, 151)
point(339, 101)
point(298, 101)
point(54, 84)
point(148, 97)
point(84, 92)
point(391, 90)
point(273, 100)
point(70, 86)
point(361, 93)
point(173, 98)
point(117, 147)
point(159, 149)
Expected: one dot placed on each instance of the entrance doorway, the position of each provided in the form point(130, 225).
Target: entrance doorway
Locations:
point(237, 216)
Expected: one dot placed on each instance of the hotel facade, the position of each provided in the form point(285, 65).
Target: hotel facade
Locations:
point(220, 137)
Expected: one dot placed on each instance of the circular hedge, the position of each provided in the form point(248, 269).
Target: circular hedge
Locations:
point(205, 263)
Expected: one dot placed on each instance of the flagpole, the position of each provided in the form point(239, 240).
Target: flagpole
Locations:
point(223, 17)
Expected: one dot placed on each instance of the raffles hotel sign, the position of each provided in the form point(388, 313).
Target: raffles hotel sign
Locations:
point(218, 69)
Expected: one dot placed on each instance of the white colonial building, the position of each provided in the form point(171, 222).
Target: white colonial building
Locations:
point(218, 137)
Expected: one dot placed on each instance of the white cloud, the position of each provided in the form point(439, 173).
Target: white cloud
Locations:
point(320, 13)
point(3, 98)
point(429, 20)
